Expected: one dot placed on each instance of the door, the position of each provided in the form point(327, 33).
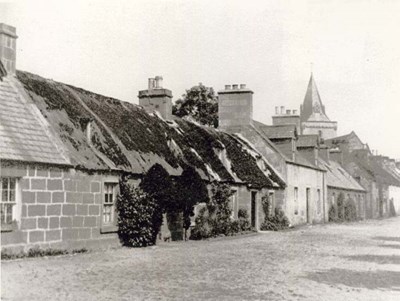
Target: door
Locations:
point(308, 209)
point(253, 209)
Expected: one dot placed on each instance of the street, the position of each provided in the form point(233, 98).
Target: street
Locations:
point(357, 261)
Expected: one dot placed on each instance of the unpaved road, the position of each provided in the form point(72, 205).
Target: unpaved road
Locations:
point(358, 261)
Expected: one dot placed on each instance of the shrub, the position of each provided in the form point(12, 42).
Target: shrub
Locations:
point(340, 206)
point(215, 219)
point(392, 210)
point(137, 226)
point(350, 211)
point(244, 221)
point(275, 222)
point(189, 191)
point(332, 214)
point(38, 252)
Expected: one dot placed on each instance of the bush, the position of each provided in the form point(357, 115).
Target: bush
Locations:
point(340, 207)
point(392, 210)
point(215, 219)
point(332, 214)
point(244, 221)
point(275, 222)
point(350, 211)
point(38, 252)
point(137, 226)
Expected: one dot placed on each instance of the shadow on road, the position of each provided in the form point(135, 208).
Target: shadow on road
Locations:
point(387, 238)
point(358, 279)
point(393, 246)
point(380, 259)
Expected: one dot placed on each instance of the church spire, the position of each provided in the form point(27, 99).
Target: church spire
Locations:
point(312, 103)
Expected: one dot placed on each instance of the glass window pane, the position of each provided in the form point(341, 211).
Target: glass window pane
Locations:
point(5, 183)
point(12, 196)
point(12, 183)
point(4, 196)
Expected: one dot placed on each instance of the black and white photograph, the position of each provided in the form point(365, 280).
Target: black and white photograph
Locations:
point(200, 150)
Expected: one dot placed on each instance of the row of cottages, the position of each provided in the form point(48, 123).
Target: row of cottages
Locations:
point(313, 173)
point(372, 182)
point(63, 151)
point(378, 174)
point(304, 199)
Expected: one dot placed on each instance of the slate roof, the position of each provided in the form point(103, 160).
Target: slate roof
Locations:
point(3, 71)
point(278, 131)
point(312, 108)
point(362, 163)
point(284, 143)
point(23, 134)
point(308, 141)
point(338, 177)
point(124, 137)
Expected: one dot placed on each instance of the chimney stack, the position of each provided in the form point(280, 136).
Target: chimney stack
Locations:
point(235, 107)
point(8, 47)
point(156, 98)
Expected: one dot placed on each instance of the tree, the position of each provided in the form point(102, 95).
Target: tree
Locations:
point(135, 216)
point(199, 102)
point(158, 184)
point(190, 190)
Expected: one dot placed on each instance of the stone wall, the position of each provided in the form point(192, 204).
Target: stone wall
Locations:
point(60, 208)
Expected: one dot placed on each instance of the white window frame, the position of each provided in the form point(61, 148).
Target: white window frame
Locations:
point(15, 203)
point(109, 188)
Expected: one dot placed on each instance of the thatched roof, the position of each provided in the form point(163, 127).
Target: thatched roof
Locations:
point(124, 137)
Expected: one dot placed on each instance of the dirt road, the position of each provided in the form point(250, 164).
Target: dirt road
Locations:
point(358, 261)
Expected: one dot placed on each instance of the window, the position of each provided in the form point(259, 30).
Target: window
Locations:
point(7, 199)
point(296, 200)
point(109, 203)
point(318, 201)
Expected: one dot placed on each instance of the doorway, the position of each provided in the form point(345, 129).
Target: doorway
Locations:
point(308, 210)
point(253, 209)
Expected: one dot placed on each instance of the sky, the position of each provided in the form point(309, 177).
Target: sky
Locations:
point(113, 47)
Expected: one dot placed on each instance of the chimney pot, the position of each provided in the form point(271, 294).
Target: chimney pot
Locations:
point(8, 39)
point(235, 87)
point(228, 87)
point(159, 82)
point(282, 110)
point(151, 83)
point(276, 110)
point(287, 112)
point(294, 112)
point(242, 86)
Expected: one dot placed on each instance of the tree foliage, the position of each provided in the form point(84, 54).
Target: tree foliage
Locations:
point(274, 222)
point(136, 211)
point(199, 102)
point(190, 190)
point(158, 185)
point(216, 217)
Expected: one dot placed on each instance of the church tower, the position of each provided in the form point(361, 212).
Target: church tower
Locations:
point(312, 114)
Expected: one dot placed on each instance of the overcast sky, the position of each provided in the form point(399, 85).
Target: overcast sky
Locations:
point(112, 47)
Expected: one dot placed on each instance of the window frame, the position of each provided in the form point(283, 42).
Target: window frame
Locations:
point(111, 225)
point(15, 205)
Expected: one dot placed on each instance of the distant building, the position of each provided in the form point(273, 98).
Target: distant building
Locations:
point(312, 119)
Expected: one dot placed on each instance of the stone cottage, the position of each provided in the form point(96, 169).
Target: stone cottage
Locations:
point(63, 150)
point(306, 184)
point(381, 182)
